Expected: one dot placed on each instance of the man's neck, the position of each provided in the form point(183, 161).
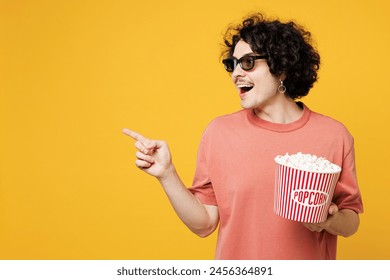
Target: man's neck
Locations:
point(283, 112)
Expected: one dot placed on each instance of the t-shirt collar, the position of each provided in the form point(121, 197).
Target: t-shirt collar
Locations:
point(280, 127)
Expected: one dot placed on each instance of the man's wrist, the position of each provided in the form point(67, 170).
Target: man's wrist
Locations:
point(168, 175)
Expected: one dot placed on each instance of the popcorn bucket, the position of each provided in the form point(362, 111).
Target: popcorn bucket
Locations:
point(303, 196)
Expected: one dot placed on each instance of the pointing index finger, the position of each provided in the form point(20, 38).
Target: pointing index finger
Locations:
point(136, 136)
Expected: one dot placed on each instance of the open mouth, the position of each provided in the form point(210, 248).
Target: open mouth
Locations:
point(244, 88)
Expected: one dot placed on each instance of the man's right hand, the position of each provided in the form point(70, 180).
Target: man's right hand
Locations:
point(153, 156)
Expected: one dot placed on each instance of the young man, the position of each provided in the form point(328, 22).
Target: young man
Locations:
point(271, 64)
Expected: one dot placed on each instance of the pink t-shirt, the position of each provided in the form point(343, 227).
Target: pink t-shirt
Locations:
point(236, 171)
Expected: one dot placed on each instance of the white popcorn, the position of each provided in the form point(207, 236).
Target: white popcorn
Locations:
point(308, 162)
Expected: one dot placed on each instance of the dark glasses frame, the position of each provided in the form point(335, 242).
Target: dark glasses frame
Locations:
point(232, 62)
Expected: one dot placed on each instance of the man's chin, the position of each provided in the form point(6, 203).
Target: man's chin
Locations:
point(245, 105)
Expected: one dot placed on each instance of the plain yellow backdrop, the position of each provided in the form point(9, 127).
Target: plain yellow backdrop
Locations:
point(74, 73)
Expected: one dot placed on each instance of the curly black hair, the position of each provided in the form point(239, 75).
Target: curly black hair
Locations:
point(288, 47)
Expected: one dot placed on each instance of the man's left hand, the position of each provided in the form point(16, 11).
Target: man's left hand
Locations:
point(318, 227)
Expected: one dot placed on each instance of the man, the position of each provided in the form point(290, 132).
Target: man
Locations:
point(271, 64)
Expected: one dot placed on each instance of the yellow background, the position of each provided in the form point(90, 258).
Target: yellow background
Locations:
point(74, 73)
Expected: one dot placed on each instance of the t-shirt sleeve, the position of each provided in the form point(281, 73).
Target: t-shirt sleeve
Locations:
point(347, 194)
point(202, 187)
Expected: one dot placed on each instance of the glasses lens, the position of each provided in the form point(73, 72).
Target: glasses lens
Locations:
point(229, 64)
point(247, 63)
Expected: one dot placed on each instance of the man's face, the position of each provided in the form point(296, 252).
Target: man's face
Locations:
point(257, 87)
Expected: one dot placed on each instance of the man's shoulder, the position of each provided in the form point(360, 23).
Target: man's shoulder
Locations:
point(329, 126)
point(230, 118)
point(225, 123)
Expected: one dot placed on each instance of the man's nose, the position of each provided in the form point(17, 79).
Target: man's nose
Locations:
point(238, 72)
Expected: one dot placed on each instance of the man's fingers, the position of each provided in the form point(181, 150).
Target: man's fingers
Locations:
point(147, 143)
point(142, 164)
point(144, 157)
point(333, 209)
point(134, 135)
point(141, 147)
point(147, 148)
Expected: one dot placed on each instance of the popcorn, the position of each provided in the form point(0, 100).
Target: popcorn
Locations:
point(304, 186)
point(308, 162)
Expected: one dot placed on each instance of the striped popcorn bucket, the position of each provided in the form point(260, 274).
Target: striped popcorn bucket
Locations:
point(303, 196)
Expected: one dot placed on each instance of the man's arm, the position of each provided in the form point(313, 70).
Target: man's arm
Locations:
point(154, 158)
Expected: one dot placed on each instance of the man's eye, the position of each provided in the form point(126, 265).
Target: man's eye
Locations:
point(247, 61)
